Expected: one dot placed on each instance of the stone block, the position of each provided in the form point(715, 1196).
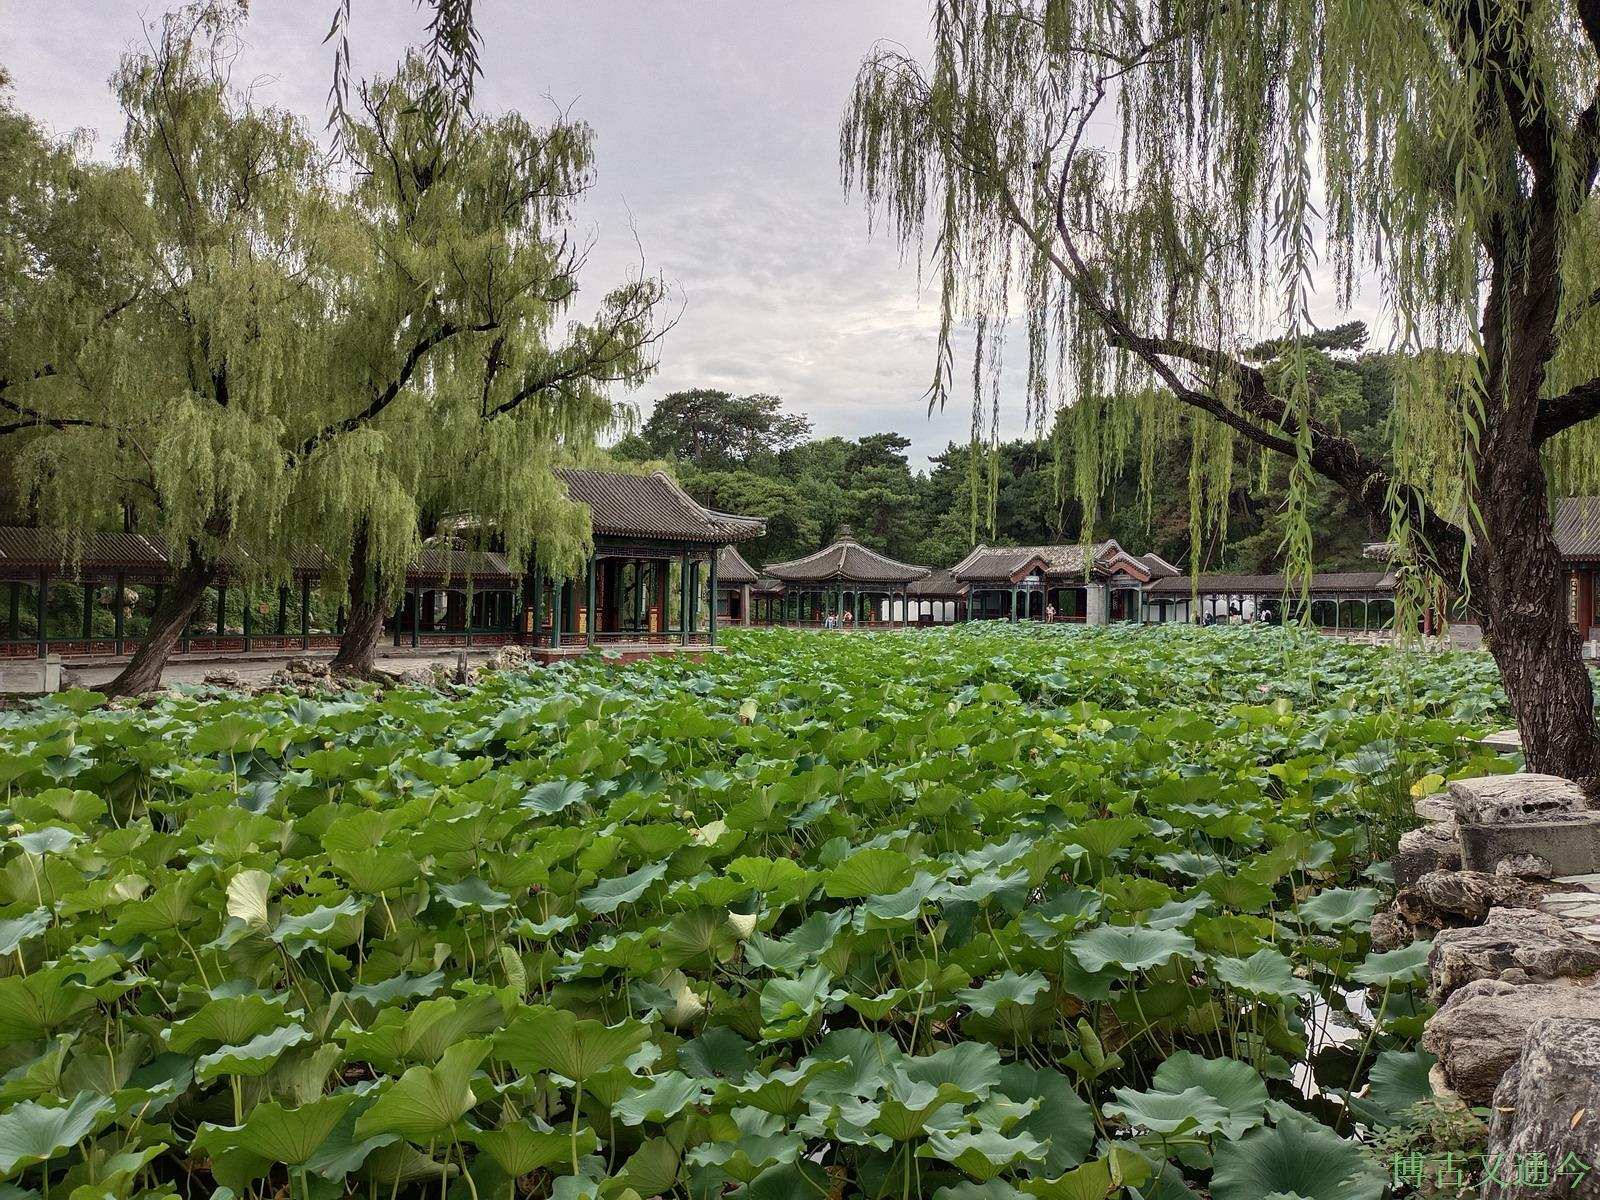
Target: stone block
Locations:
point(1507, 741)
point(1493, 799)
point(1560, 843)
point(1541, 946)
point(1548, 1104)
point(1480, 1031)
point(31, 676)
point(1431, 848)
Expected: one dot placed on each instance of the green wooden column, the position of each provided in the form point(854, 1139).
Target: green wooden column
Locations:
point(683, 598)
point(119, 584)
point(222, 609)
point(590, 619)
point(246, 620)
point(557, 587)
point(536, 608)
point(713, 586)
point(43, 608)
point(283, 612)
point(305, 613)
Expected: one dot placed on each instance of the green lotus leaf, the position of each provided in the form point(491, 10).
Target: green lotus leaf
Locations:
point(1093, 1180)
point(904, 904)
point(982, 1154)
point(1236, 1086)
point(974, 1067)
point(342, 1153)
point(424, 1033)
point(666, 1096)
point(698, 937)
point(52, 839)
point(473, 893)
point(32, 1133)
point(1168, 1113)
point(1265, 973)
point(250, 1058)
point(750, 1157)
point(295, 933)
point(1008, 988)
point(397, 987)
point(871, 872)
point(1063, 1122)
point(374, 870)
point(17, 930)
point(1407, 965)
point(788, 1181)
point(1131, 947)
point(427, 1102)
point(1399, 1079)
point(1341, 908)
point(1239, 890)
point(551, 1039)
point(719, 1051)
point(611, 894)
point(788, 1005)
point(73, 805)
point(247, 898)
point(1295, 1157)
point(232, 733)
point(780, 1092)
point(806, 943)
point(555, 795)
point(289, 1135)
point(652, 1169)
point(995, 1189)
point(228, 1020)
point(522, 1147)
point(781, 881)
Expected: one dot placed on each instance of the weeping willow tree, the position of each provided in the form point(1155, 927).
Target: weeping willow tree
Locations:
point(1149, 187)
point(469, 261)
point(230, 338)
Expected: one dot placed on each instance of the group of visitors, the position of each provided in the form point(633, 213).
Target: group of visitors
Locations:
point(835, 621)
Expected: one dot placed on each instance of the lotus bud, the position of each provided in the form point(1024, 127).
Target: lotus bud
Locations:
point(742, 924)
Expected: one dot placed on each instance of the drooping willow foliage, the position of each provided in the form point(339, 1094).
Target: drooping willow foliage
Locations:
point(1142, 190)
point(247, 341)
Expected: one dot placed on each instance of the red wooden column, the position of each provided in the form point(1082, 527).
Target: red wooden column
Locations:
point(1585, 605)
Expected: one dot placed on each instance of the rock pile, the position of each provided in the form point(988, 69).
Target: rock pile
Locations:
point(1504, 876)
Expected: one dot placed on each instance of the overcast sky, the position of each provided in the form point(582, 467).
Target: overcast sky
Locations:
point(717, 128)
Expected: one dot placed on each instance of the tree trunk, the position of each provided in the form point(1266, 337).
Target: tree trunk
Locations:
point(358, 645)
point(182, 596)
point(1519, 595)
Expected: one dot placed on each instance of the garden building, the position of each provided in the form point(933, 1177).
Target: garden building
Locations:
point(1338, 600)
point(650, 582)
point(1087, 585)
point(737, 581)
point(652, 579)
point(844, 584)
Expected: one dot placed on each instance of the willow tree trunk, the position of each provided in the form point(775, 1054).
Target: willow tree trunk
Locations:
point(358, 645)
point(1519, 582)
point(179, 599)
point(1519, 595)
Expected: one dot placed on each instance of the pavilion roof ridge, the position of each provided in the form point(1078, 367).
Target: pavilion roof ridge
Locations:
point(845, 560)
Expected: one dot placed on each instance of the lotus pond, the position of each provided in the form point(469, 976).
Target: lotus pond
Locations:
point(972, 914)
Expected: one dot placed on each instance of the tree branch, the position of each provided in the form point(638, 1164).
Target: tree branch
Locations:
point(1560, 413)
point(386, 396)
